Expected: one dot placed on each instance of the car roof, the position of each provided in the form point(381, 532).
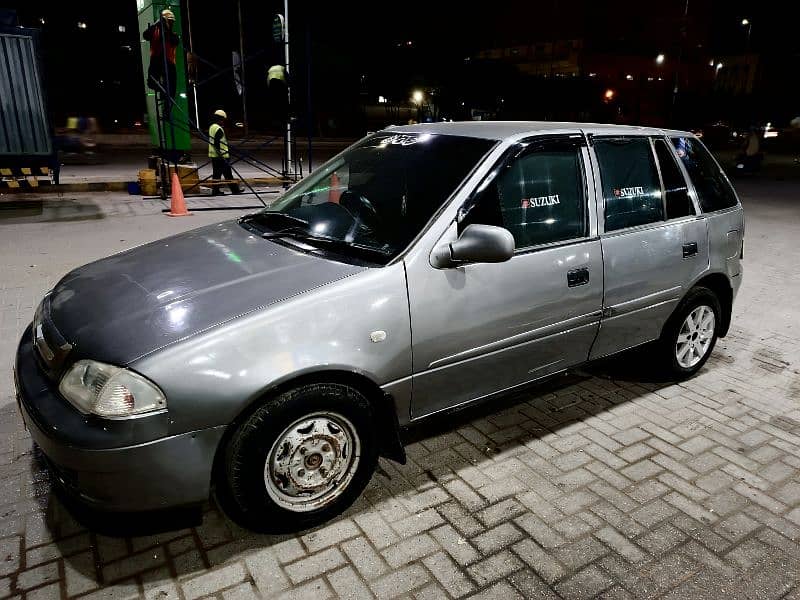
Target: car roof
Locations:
point(499, 130)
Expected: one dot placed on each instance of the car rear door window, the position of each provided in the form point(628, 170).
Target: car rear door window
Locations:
point(713, 188)
point(631, 188)
point(540, 196)
point(678, 202)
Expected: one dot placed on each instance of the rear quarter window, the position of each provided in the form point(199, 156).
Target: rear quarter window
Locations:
point(713, 188)
point(677, 199)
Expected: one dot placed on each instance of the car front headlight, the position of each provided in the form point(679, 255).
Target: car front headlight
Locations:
point(108, 391)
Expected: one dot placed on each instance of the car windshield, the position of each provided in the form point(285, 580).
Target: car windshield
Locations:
point(377, 196)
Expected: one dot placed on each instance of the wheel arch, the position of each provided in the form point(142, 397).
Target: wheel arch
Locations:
point(383, 406)
point(720, 285)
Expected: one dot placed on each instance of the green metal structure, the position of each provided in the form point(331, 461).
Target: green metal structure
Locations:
point(177, 134)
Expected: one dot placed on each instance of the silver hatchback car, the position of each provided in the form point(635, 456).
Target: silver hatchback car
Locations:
point(275, 357)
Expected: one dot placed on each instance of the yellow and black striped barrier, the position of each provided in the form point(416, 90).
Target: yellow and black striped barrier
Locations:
point(24, 177)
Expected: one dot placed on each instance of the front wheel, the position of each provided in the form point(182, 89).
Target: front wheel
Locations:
point(301, 458)
point(691, 333)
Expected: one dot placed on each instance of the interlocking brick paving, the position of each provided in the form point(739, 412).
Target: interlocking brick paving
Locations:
point(597, 484)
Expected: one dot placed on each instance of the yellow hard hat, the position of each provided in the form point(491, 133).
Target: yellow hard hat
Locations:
point(276, 72)
point(221, 113)
point(168, 14)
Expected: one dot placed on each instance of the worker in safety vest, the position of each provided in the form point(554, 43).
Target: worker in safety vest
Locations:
point(219, 153)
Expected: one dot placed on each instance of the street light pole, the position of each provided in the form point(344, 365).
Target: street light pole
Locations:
point(309, 108)
point(681, 42)
point(241, 70)
point(288, 86)
point(194, 76)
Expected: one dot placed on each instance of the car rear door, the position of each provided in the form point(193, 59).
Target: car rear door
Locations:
point(654, 243)
point(718, 203)
point(483, 328)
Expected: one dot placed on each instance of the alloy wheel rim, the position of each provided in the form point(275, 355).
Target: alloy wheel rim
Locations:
point(312, 462)
point(695, 336)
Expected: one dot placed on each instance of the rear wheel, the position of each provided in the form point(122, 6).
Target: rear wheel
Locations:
point(301, 458)
point(691, 333)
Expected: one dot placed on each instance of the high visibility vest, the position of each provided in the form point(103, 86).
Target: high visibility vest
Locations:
point(223, 143)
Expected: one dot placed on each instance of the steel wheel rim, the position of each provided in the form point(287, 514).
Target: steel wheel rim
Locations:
point(312, 462)
point(695, 336)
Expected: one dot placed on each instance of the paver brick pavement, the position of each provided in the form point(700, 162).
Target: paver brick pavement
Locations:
point(597, 484)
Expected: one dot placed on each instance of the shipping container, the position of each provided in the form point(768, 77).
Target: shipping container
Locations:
point(26, 134)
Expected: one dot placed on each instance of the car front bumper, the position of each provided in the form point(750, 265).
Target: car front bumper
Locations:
point(170, 471)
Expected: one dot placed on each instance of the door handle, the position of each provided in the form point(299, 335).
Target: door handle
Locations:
point(690, 250)
point(578, 277)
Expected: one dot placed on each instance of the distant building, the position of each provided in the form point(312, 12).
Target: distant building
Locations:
point(638, 84)
point(738, 75)
point(560, 58)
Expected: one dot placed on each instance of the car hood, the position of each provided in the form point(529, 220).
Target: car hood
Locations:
point(127, 305)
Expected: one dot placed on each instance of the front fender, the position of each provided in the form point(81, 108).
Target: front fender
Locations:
point(211, 378)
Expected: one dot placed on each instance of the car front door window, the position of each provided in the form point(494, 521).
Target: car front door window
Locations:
point(540, 197)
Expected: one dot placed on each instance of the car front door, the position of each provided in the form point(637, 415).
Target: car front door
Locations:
point(478, 329)
point(654, 244)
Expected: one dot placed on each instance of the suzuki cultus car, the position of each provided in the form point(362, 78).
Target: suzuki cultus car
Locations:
point(273, 358)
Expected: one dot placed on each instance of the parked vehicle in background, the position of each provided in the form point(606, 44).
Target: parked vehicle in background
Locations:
point(77, 142)
point(424, 269)
point(750, 156)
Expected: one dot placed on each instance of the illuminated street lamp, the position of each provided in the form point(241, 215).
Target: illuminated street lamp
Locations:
point(660, 59)
point(609, 95)
point(417, 96)
point(746, 23)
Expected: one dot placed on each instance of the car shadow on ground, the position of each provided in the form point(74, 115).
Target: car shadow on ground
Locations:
point(633, 366)
point(562, 398)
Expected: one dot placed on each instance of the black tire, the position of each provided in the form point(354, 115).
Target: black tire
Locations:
point(670, 367)
point(244, 489)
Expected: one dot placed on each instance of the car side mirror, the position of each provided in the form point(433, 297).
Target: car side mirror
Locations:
point(477, 244)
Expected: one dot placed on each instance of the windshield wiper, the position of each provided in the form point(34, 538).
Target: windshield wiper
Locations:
point(267, 216)
point(293, 231)
point(335, 243)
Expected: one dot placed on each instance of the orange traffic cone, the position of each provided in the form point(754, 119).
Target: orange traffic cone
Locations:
point(335, 192)
point(177, 204)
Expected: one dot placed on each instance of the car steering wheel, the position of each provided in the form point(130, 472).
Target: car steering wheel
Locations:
point(359, 207)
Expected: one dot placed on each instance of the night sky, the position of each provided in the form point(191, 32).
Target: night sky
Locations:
point(360, 48)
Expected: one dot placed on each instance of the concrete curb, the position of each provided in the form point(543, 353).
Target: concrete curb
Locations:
point(93, 186)
point(87, 186)
point(99, 186)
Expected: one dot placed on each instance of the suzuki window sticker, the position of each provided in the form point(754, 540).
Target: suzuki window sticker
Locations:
point(629, 192)
point(550, 200)
point(528, 218)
